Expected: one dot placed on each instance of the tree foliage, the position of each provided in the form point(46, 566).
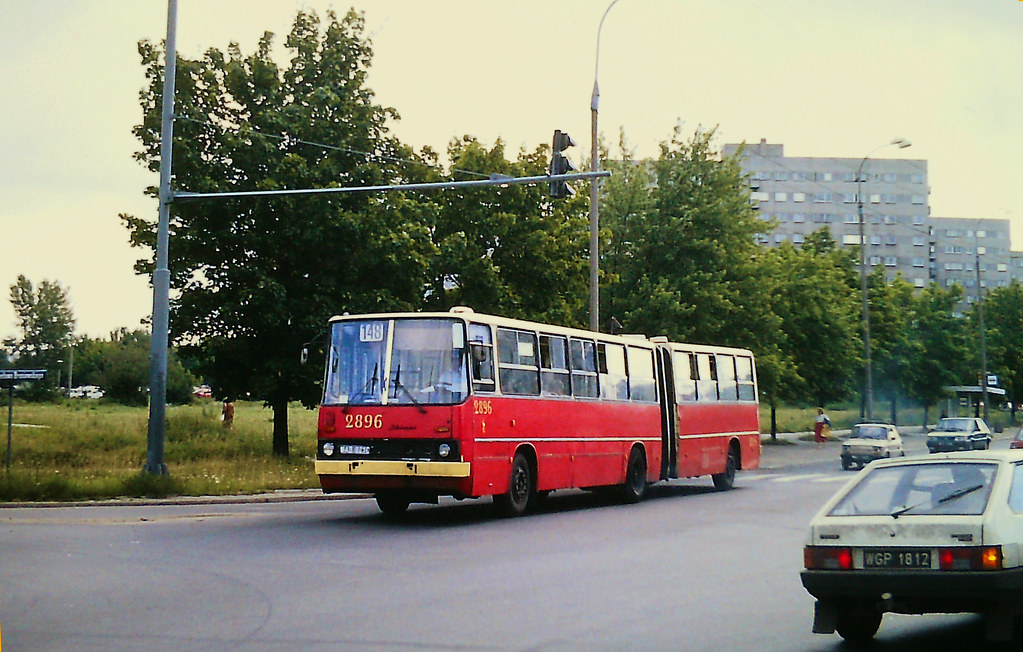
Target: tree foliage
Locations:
point(47, 324)
point(120, 365)
point(255, 279)
point(1003, 318)
point(509, 251)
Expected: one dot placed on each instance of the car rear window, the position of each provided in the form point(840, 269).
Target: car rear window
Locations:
point(912, 489)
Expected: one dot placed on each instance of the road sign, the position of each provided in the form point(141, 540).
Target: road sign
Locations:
point(22, 374)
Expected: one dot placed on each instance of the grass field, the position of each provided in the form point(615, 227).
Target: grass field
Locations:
point(91, 449)
point(86, 449)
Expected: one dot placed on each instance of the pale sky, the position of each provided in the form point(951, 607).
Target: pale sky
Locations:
point(827, 78)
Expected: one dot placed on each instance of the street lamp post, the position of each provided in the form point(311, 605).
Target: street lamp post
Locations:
point(868, 374)
point(594, 188)
point(983, 333)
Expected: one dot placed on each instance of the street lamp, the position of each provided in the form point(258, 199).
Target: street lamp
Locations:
point(594, 187)
point(982, 329)
point(868, 374)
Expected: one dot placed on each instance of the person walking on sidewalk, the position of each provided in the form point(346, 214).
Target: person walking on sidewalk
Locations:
point(821, 427)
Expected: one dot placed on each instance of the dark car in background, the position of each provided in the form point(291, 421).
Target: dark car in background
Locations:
point(959, 434)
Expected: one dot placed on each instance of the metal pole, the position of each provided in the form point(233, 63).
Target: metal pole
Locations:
point(161, 275)
point(868, 372)
point(868, 375)
point(594, 188)
point(983, 336)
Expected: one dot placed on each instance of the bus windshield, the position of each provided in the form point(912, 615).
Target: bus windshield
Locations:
point(396, 361)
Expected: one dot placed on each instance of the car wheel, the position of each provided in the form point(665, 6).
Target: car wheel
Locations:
point(858, 625)
point(846, 464)
point(635, 477)
point(392, 503)
point(521, 488)
point(726, 480)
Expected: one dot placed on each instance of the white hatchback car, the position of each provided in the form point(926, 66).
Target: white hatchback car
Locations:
point(871, 441)
point(935, 534)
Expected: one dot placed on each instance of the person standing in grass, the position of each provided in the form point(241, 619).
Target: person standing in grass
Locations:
point(227, 414)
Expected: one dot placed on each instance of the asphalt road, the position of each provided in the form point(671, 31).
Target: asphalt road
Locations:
point(687, 569)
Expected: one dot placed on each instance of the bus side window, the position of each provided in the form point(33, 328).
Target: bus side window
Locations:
point(554, 377)
point(481, 358)
point(725, 365)
point(686, 375)
point(614, 375)
point(708, 379)
point(642, 384)
point(584, 368)
point(744, 378)
point(517, 362)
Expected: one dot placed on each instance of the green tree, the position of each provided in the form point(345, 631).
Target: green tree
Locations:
point(47, 326)
point(255, 279)
point(510, 251)
point(816, 298)
point(120, 365)
point(1003, 318)
point(686, 261)
point(941, 355)
point(892, 347)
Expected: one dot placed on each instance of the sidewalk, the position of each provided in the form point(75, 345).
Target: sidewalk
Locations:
point(799, 447)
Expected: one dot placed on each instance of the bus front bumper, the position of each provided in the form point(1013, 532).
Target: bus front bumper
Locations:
point(393, 468)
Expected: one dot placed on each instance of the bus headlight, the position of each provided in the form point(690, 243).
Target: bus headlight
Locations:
point(444, 450)
point(328, 448)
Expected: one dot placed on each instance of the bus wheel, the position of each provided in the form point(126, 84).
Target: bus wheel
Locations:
point(521, 488)
point(726, 480)
point(635, 477)
point(392, 503)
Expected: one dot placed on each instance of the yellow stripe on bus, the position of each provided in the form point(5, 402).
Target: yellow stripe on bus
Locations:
point(393, 467)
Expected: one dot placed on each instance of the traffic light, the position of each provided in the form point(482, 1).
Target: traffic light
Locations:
point(559, 188)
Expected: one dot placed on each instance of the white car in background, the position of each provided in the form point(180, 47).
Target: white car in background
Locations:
point(871, 441)
point(86, 391)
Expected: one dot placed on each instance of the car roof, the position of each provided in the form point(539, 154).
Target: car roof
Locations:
point(1001, 455)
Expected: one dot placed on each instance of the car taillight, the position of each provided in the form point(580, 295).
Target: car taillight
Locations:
point(827, 558)
point(971, 558)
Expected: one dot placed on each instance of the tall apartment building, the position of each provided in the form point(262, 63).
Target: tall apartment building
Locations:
point(804, 194)
point(960, 244)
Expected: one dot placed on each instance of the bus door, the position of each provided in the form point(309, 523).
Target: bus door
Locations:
point(669, 414)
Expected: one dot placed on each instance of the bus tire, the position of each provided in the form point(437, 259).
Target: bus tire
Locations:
point(635, 484)
point(521, 488)
point(726, 480)
point(392, 503)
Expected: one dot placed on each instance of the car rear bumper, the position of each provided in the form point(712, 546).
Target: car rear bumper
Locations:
point(917, 591)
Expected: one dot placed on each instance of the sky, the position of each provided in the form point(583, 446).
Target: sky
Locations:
point(824, 78)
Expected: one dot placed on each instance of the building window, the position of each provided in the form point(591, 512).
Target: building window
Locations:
point(850, 218)
point(919, 241)
point(781, 176)
point(850, 239)
point(890, 240)
point(875, 198)
point(890, 261)
point(918, 220)
point(918, 200)
point(798, 218)
point(919, 282)
point(874, 260)
point(918, 262)
point(781, 196)
point(799, 196)
point(875, 240)
point(798, 238)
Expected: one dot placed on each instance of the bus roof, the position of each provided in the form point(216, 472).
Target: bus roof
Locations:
point(467, 314)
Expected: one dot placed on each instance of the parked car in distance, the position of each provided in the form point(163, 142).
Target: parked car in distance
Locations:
point(86, 391)
point(959, 434)
point(202, 391)
point(871, 441)
point(1017, 441)
point(916, 535)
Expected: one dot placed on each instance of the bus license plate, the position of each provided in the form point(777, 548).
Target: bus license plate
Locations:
point(896, 558)
point(353, 449)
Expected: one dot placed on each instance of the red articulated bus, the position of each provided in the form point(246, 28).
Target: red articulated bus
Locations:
point(422, 405)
